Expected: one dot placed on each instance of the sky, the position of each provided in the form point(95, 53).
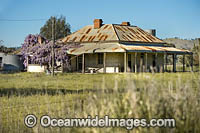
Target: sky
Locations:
point(170, 18)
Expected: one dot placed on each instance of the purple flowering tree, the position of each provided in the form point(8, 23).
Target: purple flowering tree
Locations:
point(38, 51)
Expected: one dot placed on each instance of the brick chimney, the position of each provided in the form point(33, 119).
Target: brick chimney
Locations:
point(40, 39)
point(97, 23)
point(125, 23)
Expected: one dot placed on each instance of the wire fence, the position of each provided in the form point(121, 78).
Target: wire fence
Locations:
point(12, 117)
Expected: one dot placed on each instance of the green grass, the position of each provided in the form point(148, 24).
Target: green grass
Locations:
point(144, 95)
point(86, 81)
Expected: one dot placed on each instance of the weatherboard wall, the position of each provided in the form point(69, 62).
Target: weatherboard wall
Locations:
point(115, 62)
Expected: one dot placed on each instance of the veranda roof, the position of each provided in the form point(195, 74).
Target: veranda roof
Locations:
point(117, 47)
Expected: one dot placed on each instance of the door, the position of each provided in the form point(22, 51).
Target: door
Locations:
point(79, 63)
point(142, 62)
point(1, 64)
point(129, 62)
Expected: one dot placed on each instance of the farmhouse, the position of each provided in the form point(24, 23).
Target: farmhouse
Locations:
point(121, 47)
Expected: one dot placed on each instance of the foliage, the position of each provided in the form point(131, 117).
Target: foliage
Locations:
point(62, 28)
point(196, 54)
point(40, 52)
point(6, 49)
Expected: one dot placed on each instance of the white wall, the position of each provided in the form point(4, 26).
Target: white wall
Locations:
point(114, 62)
point(35, 68)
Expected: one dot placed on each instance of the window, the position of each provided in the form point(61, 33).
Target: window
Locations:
point(142, 55)
point(100, 58)
point(80, 62)
point(129, 57)
point(129, 61)
point(70, 61)
point(1, 61)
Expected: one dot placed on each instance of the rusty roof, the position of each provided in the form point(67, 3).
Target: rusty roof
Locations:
point(110, 33)
point(89, 34)
point(96, 48)
point(135, 34)
point(116, 38)
point(117, 47)
point(156, 49)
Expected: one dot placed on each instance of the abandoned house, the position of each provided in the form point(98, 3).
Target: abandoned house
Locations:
point(111, 48)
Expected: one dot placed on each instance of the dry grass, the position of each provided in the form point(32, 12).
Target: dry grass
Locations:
point(168, 95)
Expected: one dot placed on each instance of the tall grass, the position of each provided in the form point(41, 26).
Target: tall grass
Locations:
point(144, 95)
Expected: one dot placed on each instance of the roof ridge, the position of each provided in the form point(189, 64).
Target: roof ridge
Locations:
point(111, 32)
point(115, 32)
point(125, 25)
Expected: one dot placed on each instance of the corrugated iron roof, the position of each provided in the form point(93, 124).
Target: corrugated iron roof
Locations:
point(135, 34)
point(117, 47)
point(96, 48)
point(89, 34)
point(114, 38)
point(158, 49)
point(111, 32)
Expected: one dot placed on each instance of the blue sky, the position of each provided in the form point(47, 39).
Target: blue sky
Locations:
point(171, 18)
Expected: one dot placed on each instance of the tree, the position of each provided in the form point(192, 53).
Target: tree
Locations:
point(62, 28)
point(5, 49)
point(196, 53)
point(1, 42)
point(39, 52)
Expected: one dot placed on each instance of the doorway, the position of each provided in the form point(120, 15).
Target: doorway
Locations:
point(129, 62)
point(1, 62)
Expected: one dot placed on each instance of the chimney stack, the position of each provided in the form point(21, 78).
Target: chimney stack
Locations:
point(151, 31)
point(125, 23)
point(40, 39)
point(97, 23)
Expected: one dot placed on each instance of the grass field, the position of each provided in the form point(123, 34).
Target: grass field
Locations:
point(144, 95)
